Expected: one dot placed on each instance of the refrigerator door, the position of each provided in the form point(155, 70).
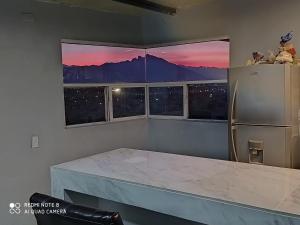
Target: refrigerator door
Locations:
point(262, 95)
point(266, 145)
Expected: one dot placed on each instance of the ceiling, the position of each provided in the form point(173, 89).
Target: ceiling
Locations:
point(112, 6)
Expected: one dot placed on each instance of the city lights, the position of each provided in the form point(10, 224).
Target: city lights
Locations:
point(116, 90)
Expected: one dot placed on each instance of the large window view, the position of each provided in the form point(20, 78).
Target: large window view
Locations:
point(185, 81)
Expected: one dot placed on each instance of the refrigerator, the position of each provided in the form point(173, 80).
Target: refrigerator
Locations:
point(264, 115)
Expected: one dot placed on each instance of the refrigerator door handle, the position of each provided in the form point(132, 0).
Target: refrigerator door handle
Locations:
point(232, 127)
point(232, 106)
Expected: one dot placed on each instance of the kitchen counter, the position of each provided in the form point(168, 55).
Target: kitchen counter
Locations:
point(208, 191)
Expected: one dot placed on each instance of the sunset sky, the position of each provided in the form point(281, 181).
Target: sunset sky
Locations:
point(209, 54)
point(86, 55)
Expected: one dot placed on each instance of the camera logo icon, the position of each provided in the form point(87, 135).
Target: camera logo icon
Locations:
point(14, 208)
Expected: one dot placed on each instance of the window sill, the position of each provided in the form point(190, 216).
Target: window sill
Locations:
point(103, 123)
point(190, 120)
point(127, 119)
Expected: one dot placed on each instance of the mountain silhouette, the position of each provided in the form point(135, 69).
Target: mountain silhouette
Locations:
point(135, 70)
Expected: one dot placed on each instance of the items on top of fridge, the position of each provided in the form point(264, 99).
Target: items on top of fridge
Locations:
point(286, 53)
point(258, 58)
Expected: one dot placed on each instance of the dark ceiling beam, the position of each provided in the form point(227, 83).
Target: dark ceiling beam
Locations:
point(145, 4)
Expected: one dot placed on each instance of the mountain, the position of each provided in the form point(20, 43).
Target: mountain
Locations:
point(133, 71)
point(126, 71)
point(160, 70)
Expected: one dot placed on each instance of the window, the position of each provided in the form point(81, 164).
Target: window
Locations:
point(208, 101)
point(84, 105)
point(128, 102)
point(88, 67)
point(166, 101)
point(104, 83)
point(199, 67)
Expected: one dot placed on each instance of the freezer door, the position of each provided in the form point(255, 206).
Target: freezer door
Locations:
point(262, 94)
point(264, 145)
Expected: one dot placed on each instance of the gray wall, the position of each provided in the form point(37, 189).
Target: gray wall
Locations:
point(205, 139)
point(31, 97)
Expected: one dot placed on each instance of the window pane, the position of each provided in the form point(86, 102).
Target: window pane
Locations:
point(208, 101)
point(188, 62)
point(102, 64)
point(166, 101)
point(128, 102)
point(84, 105)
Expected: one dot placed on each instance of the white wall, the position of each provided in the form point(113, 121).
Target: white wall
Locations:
point(31, 97)
point(251, 25)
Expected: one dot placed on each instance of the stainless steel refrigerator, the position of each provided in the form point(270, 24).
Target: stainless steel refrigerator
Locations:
point(264, 115)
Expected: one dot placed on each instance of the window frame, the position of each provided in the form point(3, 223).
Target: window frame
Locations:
point(109, 101)
point(108, 86)
point(206, 82)
point(88, 85)
point(185, 85)
point(127, 85)
point(169, 84)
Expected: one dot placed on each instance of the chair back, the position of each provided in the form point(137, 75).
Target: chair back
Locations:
point(53, 211)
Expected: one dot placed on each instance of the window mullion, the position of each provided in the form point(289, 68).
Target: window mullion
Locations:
point(110, 104)
point(147, 101)
point(185, 101)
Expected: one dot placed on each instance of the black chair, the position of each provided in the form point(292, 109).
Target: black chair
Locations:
point(53, 211)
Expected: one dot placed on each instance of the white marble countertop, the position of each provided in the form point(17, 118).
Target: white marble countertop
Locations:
point(265, 187)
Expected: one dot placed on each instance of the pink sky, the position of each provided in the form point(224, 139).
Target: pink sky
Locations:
point(209, 54)
point(86, 55)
